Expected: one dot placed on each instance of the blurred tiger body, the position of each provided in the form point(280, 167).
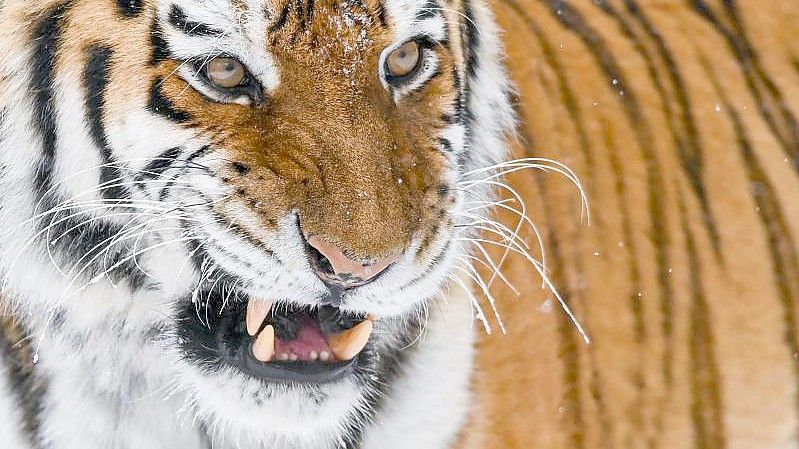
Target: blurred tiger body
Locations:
point(681, 118)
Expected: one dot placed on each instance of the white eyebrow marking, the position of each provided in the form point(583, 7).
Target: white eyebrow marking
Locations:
point(243, 34)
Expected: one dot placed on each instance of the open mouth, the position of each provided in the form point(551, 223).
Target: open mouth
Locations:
point(303, 343)
point(281, 342)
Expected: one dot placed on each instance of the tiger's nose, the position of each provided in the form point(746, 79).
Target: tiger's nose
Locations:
point(336, 268)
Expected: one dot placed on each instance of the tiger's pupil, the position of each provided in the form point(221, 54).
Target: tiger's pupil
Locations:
point(226, 72)
point(403, 61)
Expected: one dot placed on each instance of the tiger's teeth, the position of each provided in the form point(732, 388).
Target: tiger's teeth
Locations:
point(350, 343)
point(264, 347)
point(257, 310)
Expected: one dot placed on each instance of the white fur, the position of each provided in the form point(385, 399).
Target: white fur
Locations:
point(113, 386)
point(11, 422)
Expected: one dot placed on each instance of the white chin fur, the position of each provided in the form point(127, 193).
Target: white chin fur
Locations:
point(244, 406)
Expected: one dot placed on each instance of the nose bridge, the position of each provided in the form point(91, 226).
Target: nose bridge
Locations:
point(361, 210)
point(364, 206)
point(362, 201)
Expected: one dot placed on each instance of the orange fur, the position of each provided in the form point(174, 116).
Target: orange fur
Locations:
point(687, 279)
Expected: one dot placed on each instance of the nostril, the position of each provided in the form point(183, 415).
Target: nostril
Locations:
point(334, 267)
point(319, 262)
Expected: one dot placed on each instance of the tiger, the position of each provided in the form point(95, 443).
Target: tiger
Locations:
point(234, 223)
point(681, 119)
point(390, 163)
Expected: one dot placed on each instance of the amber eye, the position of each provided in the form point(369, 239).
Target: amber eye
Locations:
point(226, 73)
point(404, 60)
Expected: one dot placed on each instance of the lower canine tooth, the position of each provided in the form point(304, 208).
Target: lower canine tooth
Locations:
point(350, 343)
point(264, 347)
point(257, 311)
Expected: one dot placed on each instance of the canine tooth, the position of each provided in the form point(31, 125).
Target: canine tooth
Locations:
point(257, 310)
point(314, 355)
point(264, 347)
point(350, 343)
point(324, 356)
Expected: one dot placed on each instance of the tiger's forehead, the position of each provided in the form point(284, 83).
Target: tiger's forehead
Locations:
point(403, 18)
point(321, 31)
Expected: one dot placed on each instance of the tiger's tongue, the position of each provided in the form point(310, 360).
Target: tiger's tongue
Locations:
point(309, 345)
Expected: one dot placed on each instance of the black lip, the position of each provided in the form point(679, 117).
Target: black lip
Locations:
point(292, 372)
point(221, 339)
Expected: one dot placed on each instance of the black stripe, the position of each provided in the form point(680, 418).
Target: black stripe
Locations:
point(78, 238)
point(471, 38)
point(781, 243)
point(706, 407)
point(686, 141)
point(430, 10)
point(188, 164)
point(26, 385)
point(160, 105)
point(282, 19)
point(160, 47)
point(178, 19)
point(446, 145)
point(161, 163)
point(381, 14)
point(96, 78)
point(780, 119)
point(130, 8)
point(309, 10)
point(46, 37)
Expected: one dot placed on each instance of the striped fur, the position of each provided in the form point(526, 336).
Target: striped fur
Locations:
point(139, 204)
point(681, 117)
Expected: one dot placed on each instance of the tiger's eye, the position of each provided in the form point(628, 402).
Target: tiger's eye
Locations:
point(226, 72)
point(404, 60)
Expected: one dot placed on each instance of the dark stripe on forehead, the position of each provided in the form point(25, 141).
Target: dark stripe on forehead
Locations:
point(96, 81)
point(429, 10)
point(160, 47)
point(381, 13)
point(130, 8)
point(282, 19)
point(178, 19)
point(160, 105)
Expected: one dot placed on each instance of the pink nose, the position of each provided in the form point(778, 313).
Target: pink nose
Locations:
point(335, 267)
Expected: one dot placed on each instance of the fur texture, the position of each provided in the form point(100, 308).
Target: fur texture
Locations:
point(139, 203)
point(681, 118)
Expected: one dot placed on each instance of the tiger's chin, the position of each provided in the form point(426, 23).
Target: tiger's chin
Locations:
point(268, 411)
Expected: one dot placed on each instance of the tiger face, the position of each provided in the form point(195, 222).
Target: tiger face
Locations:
point(278, 182)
